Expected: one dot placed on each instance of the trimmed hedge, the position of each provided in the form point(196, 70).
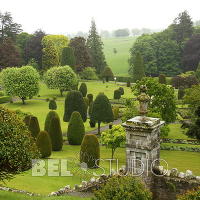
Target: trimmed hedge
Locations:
point(121, 89)
point(44, 144)
point(4, 99)
point(90, 151)
point(76, 129)
point(74, 102)
point(117, 94)
point(83, 89)
point(90, 97)
point(48, 119)
point(34, 126)
point(55, 134)
point(52, 104)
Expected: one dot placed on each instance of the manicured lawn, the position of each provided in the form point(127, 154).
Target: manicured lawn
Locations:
point(176, 132)
point(119, 61)
point(47, 184)
point(39, 107)
point(15, 196)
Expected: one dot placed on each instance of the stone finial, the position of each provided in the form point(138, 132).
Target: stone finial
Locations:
point(143, 99)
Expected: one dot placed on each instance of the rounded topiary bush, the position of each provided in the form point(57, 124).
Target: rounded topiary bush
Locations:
point(55, 134)
point(44, 144)
point(121, 89)
point(74, 102)
point(90, 151)
point(123, 187)
point(18, 147)
point(90, 97)
point(83, 89)
point(48, 119)
point(34, 127)
point(76, 129)
point(117, 94)
point(52, 104)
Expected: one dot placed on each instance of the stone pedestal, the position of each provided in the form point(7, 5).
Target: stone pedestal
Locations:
point(142, 144)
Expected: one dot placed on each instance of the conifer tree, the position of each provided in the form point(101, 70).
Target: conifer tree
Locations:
point(34, 127)
point(68, 57)
point(83, 89)
point(95, 46)
point(107, 73)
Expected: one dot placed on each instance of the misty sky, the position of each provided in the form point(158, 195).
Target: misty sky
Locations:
point(67, 16)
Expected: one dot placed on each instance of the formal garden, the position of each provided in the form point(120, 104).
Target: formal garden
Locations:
point(61, 102)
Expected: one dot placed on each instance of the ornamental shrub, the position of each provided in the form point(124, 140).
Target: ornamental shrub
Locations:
point(27, 120)
point(90, 97)
point(101, 110)
point(121, 89)
point(107, 74)
point(34, 126)
point(90, 151)
point(190, 195)
point(55, 134)
point(48, 119)
point(44, 144)
point(18, 147)
point(128, 84)
point(123, 187)
point(115, 112)
point(88, 73)
point(83, 89)
point(52, 104)
point(162, 79)
point(76, 129)
point(86, 100)
point(117, 94)
point(74, 102)
point(181, 93)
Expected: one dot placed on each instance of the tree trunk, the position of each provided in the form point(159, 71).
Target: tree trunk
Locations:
point(61, 93)
point(113, 151)
point(99, 127)
point(23, 100)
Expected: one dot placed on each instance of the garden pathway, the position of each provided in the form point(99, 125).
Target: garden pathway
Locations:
point(104, 128)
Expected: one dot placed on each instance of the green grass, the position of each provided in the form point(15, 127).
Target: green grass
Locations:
point(176, 132)
point(39, 107)
point(4, 195)
point(119, 61)
point(46, 184)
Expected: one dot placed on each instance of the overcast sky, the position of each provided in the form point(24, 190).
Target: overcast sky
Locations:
point(67, 16)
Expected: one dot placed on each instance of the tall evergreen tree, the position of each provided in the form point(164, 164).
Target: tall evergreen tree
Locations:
point(95, 46)
point(8, 28)
point(68, 57)
point(137, 69)
point(182, 27)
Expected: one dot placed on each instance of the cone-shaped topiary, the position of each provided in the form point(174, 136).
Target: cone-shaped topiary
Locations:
point(49, 117)
point(101, 110)
point(90, 151)
point(34, 127)
point(83, 89)
point(117, 94)
point(55, 134)
point(76, 129)
point(52, 104)
point(121, 89)
point(90, 97)
point(27, 120)
point(86, 100)
point(44, 144)
point(74, 102)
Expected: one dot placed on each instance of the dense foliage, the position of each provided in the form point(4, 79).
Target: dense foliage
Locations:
point(83, 89)
point(55, 134)
point(52, 104)
point(48, 119)
point(113, 138)
point(74, 102)
point(34, 126)
point(190, 195)
point(117, 94)
point(44, 144)
point(101, 110)
point(107, 74)
point(162, 79)
point(62, 78)
point(162, 98)
point(68, 57)
point(90, 151)
point(22, 82)
point(76, 129)
point(81, 53)
point(88, 73)
point(95, 46)
point(17, 145)
point(123, 187)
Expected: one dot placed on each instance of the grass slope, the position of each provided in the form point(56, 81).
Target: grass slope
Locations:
point(119, 61)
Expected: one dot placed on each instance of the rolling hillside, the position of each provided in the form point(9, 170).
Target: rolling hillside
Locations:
point(119, 61)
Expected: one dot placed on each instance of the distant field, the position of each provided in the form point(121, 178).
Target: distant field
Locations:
point(119, 61)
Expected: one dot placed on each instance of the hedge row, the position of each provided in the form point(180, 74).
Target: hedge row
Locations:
point(177, 148)
point(4, 99)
